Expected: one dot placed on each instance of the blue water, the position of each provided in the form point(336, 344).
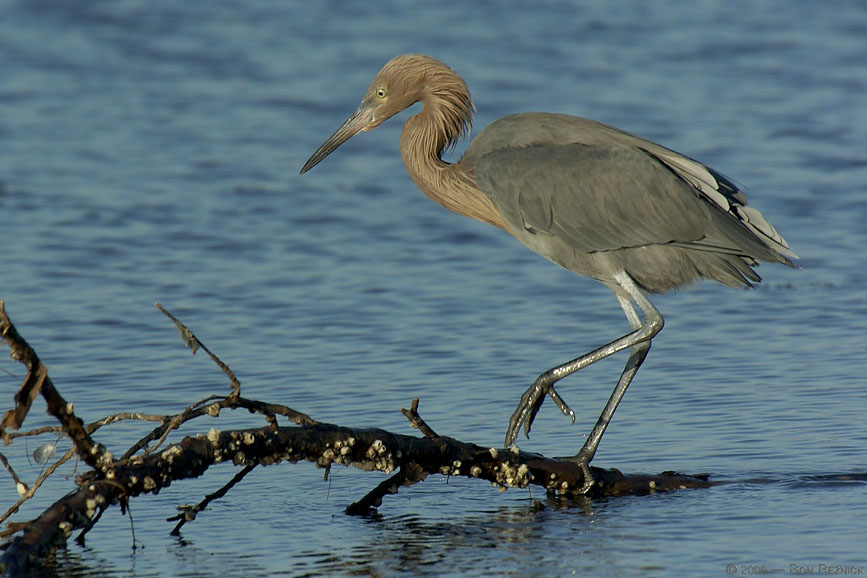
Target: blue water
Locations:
point(149, 151)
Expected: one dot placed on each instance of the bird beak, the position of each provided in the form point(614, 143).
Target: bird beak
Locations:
point(360, 121)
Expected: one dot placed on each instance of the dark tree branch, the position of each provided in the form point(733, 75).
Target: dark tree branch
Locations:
point(412, 459)
point(36, 382)
point(323, 444)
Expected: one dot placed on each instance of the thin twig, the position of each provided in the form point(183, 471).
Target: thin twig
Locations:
point(90, 428)
point(189, 513)
point(409, 473)
point(416, 422)
point(31, 491)
point(18, 483)
point(194, 343)
point(175, 422)
point(202, 407)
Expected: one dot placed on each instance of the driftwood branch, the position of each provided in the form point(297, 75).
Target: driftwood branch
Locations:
point(147, 467)
point(37, 382)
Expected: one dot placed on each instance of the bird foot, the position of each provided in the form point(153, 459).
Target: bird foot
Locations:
point(583, 461)
point(529, 406)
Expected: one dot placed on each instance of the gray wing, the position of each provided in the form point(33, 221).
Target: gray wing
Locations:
point(605, 197)
point(597, 198)
point(722, 193)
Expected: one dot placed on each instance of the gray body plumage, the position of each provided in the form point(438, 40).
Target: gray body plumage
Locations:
point(597, 200)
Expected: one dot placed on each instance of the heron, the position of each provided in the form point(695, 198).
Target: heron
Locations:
point(636, 216)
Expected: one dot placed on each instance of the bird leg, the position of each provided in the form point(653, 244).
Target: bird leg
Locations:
point(639, 342)
point(583, 458)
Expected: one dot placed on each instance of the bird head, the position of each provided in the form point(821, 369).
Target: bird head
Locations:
point(402, 82)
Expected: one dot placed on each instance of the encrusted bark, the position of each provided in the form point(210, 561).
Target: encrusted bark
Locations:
point(146, 468)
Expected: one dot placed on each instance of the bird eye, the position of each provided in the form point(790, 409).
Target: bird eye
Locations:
point(380, 92)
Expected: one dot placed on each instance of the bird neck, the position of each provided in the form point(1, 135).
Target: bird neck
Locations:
point(422, 143)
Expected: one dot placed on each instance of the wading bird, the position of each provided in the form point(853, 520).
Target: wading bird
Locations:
point(632, 214)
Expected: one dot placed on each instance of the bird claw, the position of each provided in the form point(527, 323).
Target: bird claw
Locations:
point(529, 406)
point(561, 403)
point(582, 460)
